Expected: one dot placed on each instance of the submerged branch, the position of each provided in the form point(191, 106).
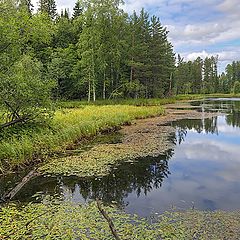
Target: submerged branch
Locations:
point(109, 220)
point(9, 196)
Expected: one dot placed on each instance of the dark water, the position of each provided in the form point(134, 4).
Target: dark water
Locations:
point(202, 171)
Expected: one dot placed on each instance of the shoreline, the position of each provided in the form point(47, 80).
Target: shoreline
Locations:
point(148, 137)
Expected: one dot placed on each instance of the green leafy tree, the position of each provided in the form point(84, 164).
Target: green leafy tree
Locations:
point(26, 5)
point(197, 75)
point(236, 87)
point(62, 69)
point(64, 33)
point(161, 60)
point(22, 78)
point(210, 79)
point(25, 92)
point(232, 74)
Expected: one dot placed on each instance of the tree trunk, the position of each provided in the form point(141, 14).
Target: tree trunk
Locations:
point(94, 91)
point(170, 85)
point(104, 86)
point(131, 74)
point(9, 196)
point(89, 88)
point(19, 120)
point(112, 80)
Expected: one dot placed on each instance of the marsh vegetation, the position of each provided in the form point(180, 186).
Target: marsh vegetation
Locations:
point(66, 83)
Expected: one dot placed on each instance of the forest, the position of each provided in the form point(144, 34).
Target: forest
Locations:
point(96, 52)
point(98, 136)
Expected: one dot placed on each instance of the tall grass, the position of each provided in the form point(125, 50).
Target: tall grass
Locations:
point(143, 101)
point(67, 126)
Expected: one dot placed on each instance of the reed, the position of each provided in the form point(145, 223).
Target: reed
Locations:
point(34, 143)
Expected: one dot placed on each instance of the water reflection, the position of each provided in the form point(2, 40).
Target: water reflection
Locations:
point(204, 166)
point(138, 177)
point(207, 126)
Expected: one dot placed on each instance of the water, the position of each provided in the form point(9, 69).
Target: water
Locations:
point(201, 172)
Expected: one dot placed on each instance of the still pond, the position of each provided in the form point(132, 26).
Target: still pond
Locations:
point(202, 171)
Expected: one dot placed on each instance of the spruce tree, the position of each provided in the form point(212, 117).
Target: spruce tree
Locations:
point(49, 7)
point(77, 10)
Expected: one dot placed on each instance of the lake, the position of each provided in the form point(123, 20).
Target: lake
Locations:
point(202, 171)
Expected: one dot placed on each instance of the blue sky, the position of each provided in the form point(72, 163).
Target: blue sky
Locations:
point(196, 28)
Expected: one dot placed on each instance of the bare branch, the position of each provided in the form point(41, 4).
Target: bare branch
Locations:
point(109, 220)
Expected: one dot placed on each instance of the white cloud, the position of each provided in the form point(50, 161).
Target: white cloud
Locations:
point(222, 56)
point(232, 7)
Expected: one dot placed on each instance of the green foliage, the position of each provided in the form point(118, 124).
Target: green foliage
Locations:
point(25, 87)
point(62, 70)
point(77, 10)
point(24, 92)
point(67, 127)
point(236, 87)
point(71, 221)
point(48, 7)
point(65, 220)
point(198, 76)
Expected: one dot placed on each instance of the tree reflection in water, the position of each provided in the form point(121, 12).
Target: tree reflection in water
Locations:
point(139, 177)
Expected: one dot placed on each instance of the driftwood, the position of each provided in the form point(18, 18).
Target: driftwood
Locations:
point(18, 120)
point(9, 196)
point(109, 220)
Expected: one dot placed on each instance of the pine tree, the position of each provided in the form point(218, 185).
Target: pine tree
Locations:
point(197, 75)
point(161, 59)
point(49, 7)
point(77, 10)
point(139, 59)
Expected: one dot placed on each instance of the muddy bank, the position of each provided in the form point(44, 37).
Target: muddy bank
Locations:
point(144, 138)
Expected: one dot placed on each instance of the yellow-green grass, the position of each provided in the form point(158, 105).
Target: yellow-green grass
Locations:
point(144, 101)
point(67, 127)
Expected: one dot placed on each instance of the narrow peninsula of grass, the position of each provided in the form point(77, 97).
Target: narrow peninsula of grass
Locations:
point(68, 126)
point(145, 101)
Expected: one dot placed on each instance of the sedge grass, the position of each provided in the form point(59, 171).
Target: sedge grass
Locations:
point(144, 101)
point(67, 127)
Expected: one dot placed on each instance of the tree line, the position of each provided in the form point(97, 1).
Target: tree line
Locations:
point(100, 52)
point(201, 77)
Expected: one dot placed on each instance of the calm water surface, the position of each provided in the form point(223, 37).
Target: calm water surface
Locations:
point(202, 171)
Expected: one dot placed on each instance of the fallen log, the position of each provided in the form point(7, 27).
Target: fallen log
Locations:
point(19, 120)
point(9, 196)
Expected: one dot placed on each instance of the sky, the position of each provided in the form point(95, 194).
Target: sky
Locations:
point(196, 28)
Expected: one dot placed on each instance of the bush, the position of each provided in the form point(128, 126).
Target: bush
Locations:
point(236, 87)
point(25, 93)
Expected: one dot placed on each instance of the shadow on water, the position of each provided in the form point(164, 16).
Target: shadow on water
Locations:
point(140, 177)
point(202, 171)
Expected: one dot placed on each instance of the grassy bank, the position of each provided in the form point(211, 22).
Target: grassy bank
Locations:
point(20, 146)
point(76, 120)
point(143, 101)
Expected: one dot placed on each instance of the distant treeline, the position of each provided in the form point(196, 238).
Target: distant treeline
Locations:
point(201, 76)
point(99, 52)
